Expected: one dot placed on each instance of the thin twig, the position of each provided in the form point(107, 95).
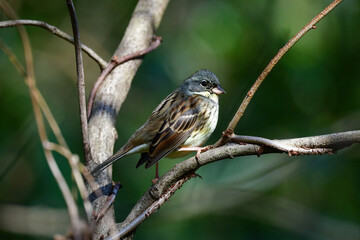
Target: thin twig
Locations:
point(50, 118)
point(109, 202)
point(30, 81)
point(269, 67)
point(115, 61)
point(81, 81)
point(94, 186)
point(57, 32)
point(151, 209)
point(63, 147)
point(13, 59)
point(74, 163)
point(37, 94)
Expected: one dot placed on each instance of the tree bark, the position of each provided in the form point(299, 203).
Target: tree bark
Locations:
point(102, 133)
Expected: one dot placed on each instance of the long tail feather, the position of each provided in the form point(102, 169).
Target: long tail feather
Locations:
point(106, 164)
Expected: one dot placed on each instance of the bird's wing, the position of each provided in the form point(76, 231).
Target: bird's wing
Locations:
point(176, 128)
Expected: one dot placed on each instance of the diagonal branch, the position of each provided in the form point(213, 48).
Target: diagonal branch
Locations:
point(74, 163)
point(30, 81)
point(57, 32)
point(334, 142)
point(62, 148)
point(115, 62)
point(269, 67)
point(13, 59)
point(152, 208)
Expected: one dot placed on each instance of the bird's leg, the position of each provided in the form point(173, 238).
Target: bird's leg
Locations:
point(198, 150)
point(156, 179)
point(157, 170)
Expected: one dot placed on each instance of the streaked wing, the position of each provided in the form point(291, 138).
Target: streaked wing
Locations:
point(175, 130)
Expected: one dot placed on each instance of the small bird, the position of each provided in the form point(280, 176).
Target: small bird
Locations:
point(180, 124)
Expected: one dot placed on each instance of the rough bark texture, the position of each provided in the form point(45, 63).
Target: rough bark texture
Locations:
point(145, 20)
point(335, 142)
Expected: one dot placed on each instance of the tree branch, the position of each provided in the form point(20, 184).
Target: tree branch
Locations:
point(30, 81)
point(112, 93)
point(80, 81)
point(57, 32)
point(334, 142)
point(115, 62)
point(38, 96)
point(269, 67)
point(74, 163)
point(13, 59)
point(152, 209)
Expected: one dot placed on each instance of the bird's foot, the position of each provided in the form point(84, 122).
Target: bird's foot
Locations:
point(202, 150)
point(154, 181)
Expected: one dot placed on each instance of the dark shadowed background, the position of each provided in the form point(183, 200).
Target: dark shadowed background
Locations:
point(314, 90)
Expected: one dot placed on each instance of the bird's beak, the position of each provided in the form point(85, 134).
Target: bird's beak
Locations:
point(218, 90)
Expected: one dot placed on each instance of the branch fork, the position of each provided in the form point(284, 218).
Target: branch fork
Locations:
point(116, 61)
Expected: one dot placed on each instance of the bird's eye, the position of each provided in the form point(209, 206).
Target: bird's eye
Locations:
point(204, 83)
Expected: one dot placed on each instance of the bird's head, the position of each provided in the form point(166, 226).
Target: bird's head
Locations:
point(203, 82)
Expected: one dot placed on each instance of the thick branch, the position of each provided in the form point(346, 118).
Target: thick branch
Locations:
point(334, 142)
point(112, 93)
point(150, 210)
point(57, 32)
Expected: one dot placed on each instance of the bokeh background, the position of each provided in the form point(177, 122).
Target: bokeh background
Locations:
point(313, 90)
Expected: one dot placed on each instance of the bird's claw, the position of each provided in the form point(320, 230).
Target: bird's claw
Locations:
point(202, 150)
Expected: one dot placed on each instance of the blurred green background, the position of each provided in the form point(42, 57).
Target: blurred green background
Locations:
point(313, 90)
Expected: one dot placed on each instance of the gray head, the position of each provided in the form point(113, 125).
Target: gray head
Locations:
point(202, 82)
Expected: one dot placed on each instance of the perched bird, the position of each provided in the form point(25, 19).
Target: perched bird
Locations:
point(180, 124)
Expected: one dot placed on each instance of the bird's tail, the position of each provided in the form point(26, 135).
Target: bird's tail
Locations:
point(107, 163)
